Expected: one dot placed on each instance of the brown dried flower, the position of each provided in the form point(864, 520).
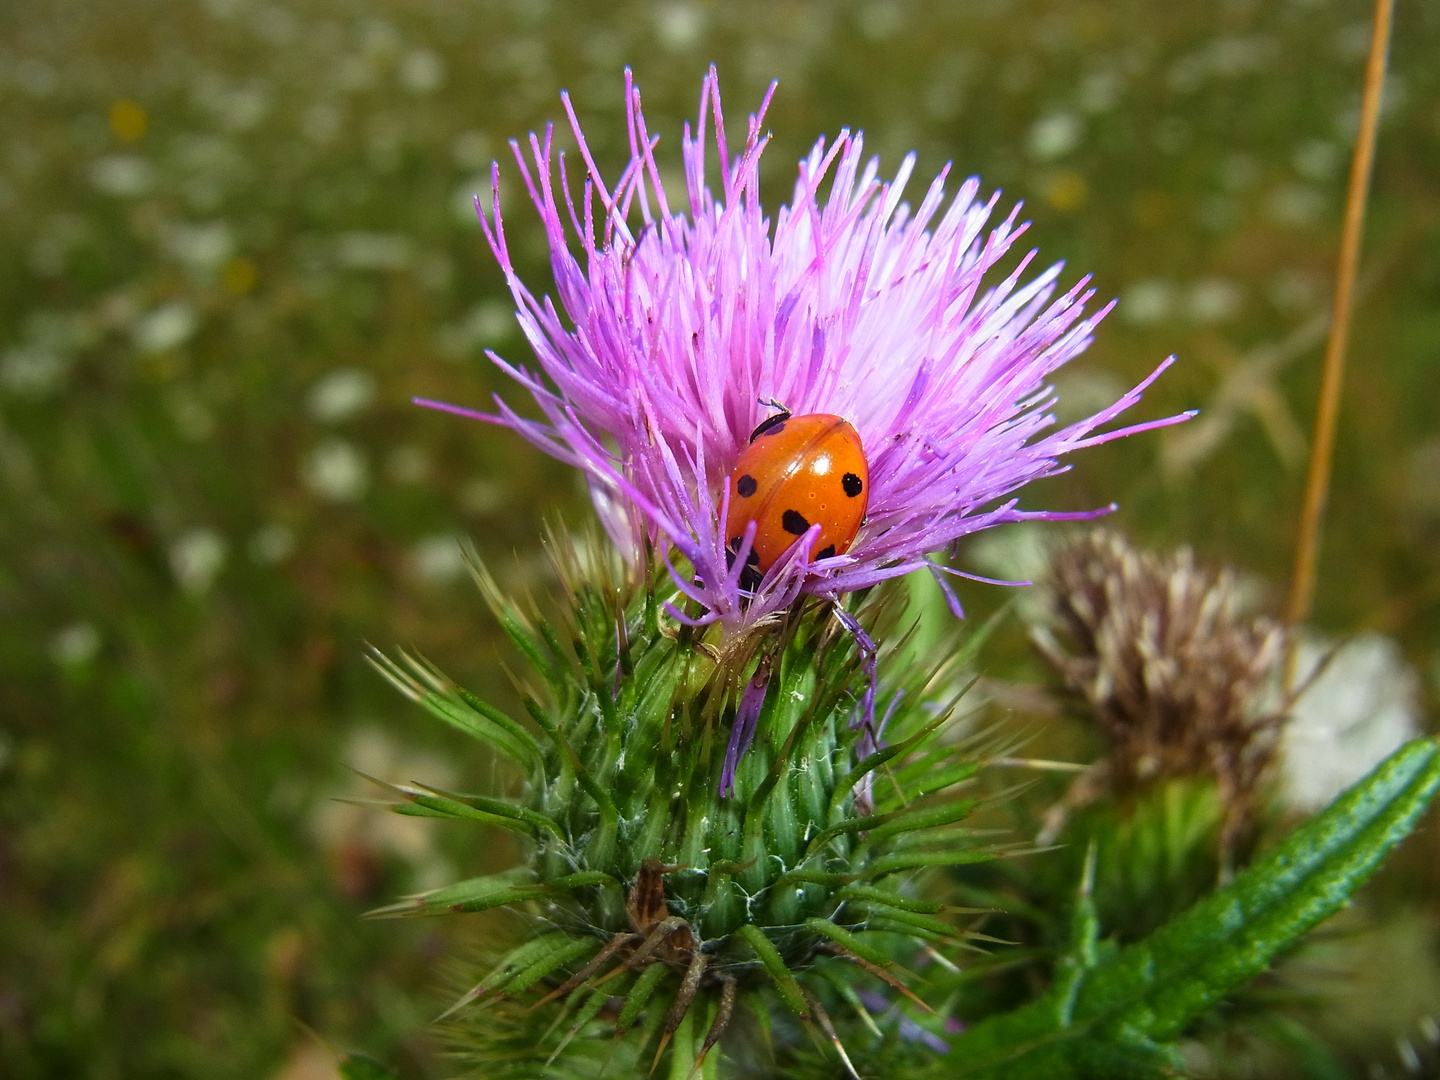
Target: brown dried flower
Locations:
point(1169, 665)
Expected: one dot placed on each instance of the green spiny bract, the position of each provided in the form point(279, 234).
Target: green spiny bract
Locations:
point(658, 904)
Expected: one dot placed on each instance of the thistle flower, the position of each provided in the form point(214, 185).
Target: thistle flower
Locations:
point(1169, 666)
point(676, 328)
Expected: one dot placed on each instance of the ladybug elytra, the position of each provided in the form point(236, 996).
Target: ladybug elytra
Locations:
point(797, 472)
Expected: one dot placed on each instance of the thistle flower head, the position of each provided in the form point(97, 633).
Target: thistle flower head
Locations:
point(660, 902)
point(1169, 664)
point(679, 316)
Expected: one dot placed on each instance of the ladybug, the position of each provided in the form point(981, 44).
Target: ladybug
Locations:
point(798, 471)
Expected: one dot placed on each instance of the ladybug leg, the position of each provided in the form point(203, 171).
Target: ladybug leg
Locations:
point(750, 574)
point(750, 577)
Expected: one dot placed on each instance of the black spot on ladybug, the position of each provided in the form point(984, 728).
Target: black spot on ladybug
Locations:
point(827, 552)
point(746, 486)
point(773, 426)
point(794, 523)
point(852, 484)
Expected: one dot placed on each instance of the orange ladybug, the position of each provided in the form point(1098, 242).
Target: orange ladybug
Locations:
point(798, 471)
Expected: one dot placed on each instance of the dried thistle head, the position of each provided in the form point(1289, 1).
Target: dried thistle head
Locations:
point(1169, 664)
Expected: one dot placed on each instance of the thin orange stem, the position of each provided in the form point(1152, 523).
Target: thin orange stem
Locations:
point(1322, 452)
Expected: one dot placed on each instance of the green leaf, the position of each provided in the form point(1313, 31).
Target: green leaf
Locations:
point(480, 808)
point(1186, 967)
point(422, 683)
point(490, 891)
point(851, 942)
point(929, 817)
point(770, 957)
point(888, 898)
point(512, 622)
point(500, 719)
point(880, 757)
point(425, 801)
point(457, 713)
point(927, 923)
point(914, 860)
point(1142, 997)
point(682, 1049)
point(639, 995)
point(588, 1011)
point(551, 961)
point(476, 890)
point(929, 775)
point(602, 843)
point(813, 877)
point(516, 961)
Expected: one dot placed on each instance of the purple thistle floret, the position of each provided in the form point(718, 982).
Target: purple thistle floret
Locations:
point(742, 731)
point(677, 324)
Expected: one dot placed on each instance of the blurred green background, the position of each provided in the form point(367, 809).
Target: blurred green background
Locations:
point(237, 239)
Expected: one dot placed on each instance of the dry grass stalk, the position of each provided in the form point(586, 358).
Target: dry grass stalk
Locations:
point(1322, 452)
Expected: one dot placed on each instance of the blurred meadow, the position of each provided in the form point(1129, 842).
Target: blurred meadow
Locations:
point(238, 238)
